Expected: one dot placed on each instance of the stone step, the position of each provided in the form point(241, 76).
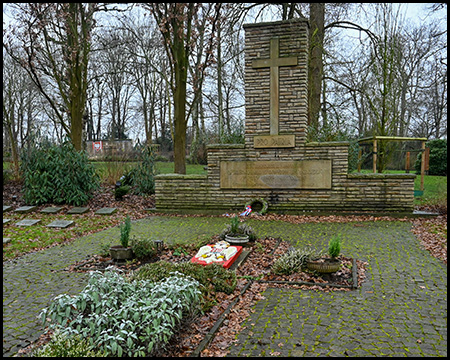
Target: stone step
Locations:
point(106, 211)
point(78, 210)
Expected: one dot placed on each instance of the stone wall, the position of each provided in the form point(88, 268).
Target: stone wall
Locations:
point(353, 193)
point(293, 93)
point(277, 163)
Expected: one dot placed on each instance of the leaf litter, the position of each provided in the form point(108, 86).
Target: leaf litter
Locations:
point(431, 232)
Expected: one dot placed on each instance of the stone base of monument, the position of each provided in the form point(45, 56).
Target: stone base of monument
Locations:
point(225, 263)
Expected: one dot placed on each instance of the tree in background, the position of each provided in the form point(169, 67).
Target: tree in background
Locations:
point(175, 21)
point(56, 40)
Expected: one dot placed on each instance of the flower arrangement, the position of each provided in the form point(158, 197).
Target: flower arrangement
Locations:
point(238, 228)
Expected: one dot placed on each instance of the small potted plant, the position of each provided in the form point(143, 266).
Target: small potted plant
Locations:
point(123, 251)
point(331, 264)
point(237, 232)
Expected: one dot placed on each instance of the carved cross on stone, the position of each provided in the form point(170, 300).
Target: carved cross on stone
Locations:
point(274, 63)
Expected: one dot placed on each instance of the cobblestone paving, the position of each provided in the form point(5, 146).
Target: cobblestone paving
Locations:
point(400, 310)
point(30, 282)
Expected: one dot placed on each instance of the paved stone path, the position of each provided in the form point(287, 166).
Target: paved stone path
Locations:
point(400, 310)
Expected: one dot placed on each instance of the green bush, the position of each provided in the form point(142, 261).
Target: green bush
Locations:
point(144, 174)
point(334, 246)
point(438, 158)
point(125, 229)
point(122, 317)
point(121, 191)
point(236, 228)
point(143, 248)
point(67, 346)
point(57, 174)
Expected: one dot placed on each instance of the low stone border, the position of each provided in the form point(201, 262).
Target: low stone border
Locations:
point(353, 286)
point(210, 335)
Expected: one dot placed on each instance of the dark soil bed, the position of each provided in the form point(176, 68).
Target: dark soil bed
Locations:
point(263, 253)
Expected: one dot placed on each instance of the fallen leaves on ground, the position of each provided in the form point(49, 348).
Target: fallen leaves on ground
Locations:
point(431, 232)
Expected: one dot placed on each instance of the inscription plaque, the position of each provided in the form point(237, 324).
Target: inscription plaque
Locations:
point(274, 141)
point(301, 174)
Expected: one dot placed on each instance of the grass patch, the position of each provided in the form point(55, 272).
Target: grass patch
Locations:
point(191, 169)
point(435, 191)
point(36, 237)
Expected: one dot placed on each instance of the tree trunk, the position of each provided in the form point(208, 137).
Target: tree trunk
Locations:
point(219, 84)
point(179, 146)
point(180, 121)
point(315, 71)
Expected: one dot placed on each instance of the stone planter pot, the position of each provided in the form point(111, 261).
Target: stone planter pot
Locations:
point(324, 265)
point(237, 240)
point(118, 252)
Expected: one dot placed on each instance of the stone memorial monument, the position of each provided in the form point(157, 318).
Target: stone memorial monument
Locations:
point(276, 163)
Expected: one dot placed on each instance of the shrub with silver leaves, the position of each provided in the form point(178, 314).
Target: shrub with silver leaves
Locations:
point(123, 317)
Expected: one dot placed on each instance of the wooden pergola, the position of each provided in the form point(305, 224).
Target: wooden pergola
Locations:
point(373, 139)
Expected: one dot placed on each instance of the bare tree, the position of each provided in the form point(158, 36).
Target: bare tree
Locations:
point(175, 20)
point(147, 61)
point(56, 41)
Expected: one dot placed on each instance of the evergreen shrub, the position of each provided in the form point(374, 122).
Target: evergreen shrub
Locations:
point(67, 346)
point(213, 277)
point(143, 248)
point(143, 176)
point(57, 174)
point(293, 261)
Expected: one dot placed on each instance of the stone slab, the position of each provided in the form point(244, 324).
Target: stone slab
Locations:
point(51, 210)
point(274, 141)
point(78, 210)
point(267, 174)
point(25, 209)
point(106, 211)
point(60, 224)
point(6, 220)
point(240, 260)
point(27, 222)
point(6, 208)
